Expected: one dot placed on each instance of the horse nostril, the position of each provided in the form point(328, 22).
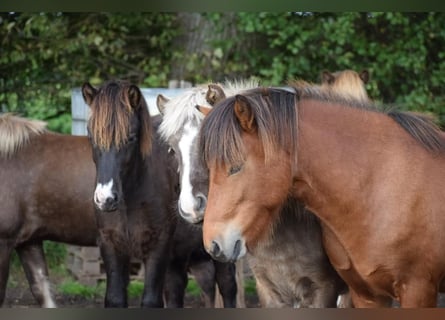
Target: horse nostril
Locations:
point(114, 196)
point(200, 204)
point(215, 250)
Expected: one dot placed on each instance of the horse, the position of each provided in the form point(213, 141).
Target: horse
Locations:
point(34, 160)
point(135, 191)
point(373, 176)
point(45, 192)
point(174, 130)
point(290, 269)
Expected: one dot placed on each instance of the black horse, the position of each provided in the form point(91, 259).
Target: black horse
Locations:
point(135, 195)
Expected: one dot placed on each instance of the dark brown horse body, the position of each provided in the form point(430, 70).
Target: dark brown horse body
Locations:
point(45, 192)
point(375, 179)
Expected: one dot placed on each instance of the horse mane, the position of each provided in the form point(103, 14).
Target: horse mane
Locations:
point(181, 109)
point(15, 133)
point(276, 114)
point(348, 83)
point(110, 116)
point(277, 126)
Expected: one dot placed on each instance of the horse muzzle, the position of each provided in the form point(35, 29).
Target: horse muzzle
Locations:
point(230, 253)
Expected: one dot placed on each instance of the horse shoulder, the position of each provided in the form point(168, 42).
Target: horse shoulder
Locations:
point(335, 250)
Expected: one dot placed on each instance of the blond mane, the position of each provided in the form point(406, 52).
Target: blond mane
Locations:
point(15, 133)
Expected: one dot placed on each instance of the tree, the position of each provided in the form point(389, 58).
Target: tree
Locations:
point(45, 55)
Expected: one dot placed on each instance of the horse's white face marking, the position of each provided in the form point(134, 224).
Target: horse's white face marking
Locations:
point(102, 193)
point(43, 283)
point(186, 198)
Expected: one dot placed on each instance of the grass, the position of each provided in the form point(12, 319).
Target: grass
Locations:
point(250, 286)
point(56, 257)
point(71, 287)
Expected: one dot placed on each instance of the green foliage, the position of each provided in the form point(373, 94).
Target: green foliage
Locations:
point(193, 288)
point(135, 289)
point(74, 288)
point(44, 55)
point(55, 254)
point(250, 286)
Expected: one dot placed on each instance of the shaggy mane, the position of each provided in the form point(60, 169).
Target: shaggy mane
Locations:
point(15, 133)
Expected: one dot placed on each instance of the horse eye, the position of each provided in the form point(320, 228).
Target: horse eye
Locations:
point(132, 138)
point(235, 169)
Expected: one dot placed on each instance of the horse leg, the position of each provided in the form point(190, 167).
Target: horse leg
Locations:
point(323, 297)
point(155, 271)
point(204, 274)
point(175, 283)
point(359, 301)
point(226, 279)
point(117, 266)
point(344, 300)
point(418, 293)
point(5, 257)
point(36, 271)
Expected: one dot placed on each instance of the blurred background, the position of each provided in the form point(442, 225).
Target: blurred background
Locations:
point(44, 55)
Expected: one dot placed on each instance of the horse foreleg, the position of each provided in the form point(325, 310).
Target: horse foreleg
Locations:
point(175, 283)
point(359, 301)
point(227, 283)
point(117, 271)
point(34, 264)
point(418, 293)
point(5, 256)
point(155, 270)
point(204, 274)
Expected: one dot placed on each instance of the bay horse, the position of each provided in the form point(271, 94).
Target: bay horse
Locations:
point(56, 204)
point(373, 177)
point(291, 268)
point(135, 193)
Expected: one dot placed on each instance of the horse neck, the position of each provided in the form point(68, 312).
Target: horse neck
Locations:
point(339, 149)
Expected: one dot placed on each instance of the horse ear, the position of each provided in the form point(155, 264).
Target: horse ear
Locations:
point(364, 75)
point(161, 101)
point(204, 110)
point(244, 113)
point(88, 93)
point(327, 77)
point(215, 94)
point(134, 95)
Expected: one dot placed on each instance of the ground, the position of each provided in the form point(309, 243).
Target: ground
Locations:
point(18, 295)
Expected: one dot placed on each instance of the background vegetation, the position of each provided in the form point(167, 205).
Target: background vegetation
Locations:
point(45, 55)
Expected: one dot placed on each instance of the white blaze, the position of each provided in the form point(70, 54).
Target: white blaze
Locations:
point(103, 192)
point(186, 198)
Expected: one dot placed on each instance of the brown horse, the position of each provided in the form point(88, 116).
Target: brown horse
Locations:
point(291, 269)
point(374, 178)
point(46, 180)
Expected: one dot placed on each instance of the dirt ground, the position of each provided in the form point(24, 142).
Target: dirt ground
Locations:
point(18, 295)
